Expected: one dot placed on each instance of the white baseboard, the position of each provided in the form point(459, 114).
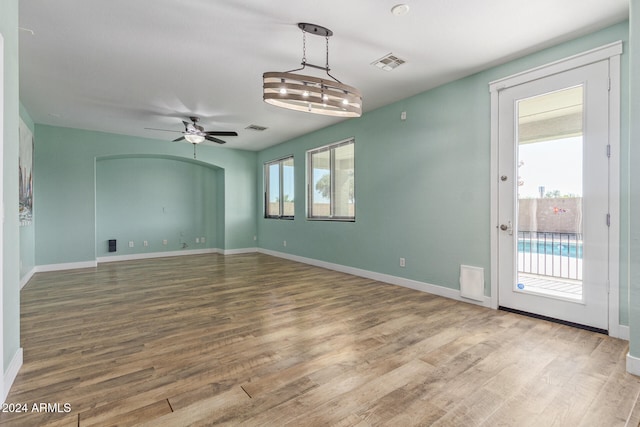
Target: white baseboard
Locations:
point(65, 266)
point(622, 332)
point(11, 374)
point(131, 257)
point(381, 277)
point(24, 280)
point(239, 251)
point(633, 365)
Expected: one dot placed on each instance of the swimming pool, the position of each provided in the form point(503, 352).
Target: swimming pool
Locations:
point(571, 248)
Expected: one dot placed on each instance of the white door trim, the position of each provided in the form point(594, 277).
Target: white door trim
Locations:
point(609, 52)
point(3, 386)
point(585, 58)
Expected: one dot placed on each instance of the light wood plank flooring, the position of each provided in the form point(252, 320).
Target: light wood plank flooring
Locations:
point(254, 340)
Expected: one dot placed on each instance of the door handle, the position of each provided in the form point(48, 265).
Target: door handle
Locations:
point(509, 228)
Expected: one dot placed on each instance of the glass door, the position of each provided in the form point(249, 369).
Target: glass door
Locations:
point(549, 189)
point(553, 196)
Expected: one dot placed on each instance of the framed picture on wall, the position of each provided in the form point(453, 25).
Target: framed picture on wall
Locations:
point(25, 175)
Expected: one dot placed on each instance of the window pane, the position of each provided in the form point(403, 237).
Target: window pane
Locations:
point(343, 193)
point(321, 183)
point(550, 194)
point(287, 187)
point(273, 189)
point(331, 193)
point(278, 177)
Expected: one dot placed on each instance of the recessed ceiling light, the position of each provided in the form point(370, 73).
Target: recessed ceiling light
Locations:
point(400, 9)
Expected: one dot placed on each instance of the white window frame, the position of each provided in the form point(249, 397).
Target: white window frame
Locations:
point(310, 190)
point(280, 162)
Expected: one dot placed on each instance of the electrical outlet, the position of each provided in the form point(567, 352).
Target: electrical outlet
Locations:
point(255, 238)
point(197, 240)
point(403, 262)
point(131, 243)
point(164, 242)
point(145, 243)
point(285, 243)
point(202, 239)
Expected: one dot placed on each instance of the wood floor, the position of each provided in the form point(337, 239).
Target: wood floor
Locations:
point(254, 340)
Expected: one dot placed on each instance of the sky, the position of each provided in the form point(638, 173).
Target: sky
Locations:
point(556, 165)
point(274, 182)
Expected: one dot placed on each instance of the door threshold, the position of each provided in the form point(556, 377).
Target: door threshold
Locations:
point(551, 319)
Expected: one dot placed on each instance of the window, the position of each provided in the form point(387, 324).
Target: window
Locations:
point(278, 183)
point(331, 191)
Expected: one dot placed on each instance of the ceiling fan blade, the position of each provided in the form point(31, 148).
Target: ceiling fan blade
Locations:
point(221, 133)
point(178, 139)
point(212, 139)
point(164, 130)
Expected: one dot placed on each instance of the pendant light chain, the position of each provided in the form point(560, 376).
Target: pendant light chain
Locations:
point(327, 69)
point(304, 47)
point(327, 50)
point(324, 95)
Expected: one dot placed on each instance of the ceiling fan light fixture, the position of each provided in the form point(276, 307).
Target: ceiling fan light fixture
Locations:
point(193, 138)
point(318, 95)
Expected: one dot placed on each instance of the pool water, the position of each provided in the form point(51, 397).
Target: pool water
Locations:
point(568, 249)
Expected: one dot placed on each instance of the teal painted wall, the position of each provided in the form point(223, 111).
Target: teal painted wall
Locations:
point(154, 199)
point(11, 235)
point(634, 178)
point(27, 232)
point(422, 185)
point(64, 184)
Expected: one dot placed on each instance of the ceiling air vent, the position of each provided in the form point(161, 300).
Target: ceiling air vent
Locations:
point(256, 128)
point(388, 62)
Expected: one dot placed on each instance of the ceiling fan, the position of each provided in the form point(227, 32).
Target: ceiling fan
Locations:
point(195, 134)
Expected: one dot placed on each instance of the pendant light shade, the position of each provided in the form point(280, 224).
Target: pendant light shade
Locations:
point(311, 94)
point(327, 96)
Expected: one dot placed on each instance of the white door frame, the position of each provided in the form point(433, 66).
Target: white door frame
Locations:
point(2, 384)
point(609, 52)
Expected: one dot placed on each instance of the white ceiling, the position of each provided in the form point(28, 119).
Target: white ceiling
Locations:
point(121, 66)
